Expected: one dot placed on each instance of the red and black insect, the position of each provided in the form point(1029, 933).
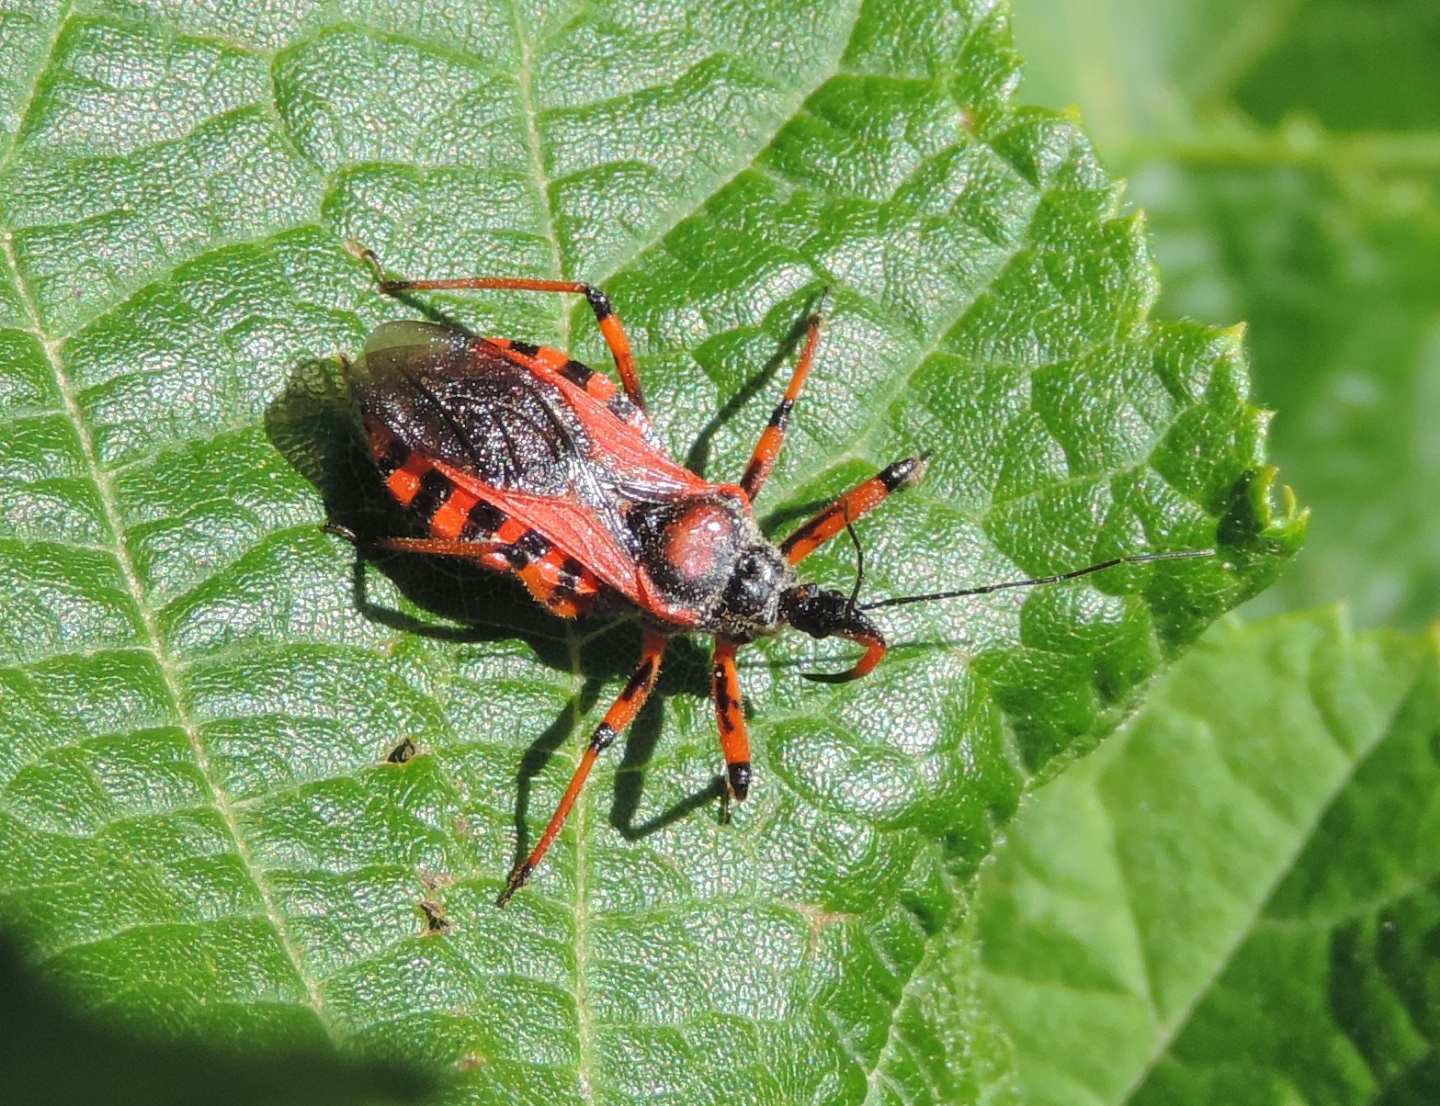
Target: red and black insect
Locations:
point(519, 459)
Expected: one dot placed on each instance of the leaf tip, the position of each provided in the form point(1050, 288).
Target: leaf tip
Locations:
point(1256, 524)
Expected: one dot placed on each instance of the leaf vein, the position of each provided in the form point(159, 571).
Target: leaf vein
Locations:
point(155, 644)
point(695, 204)
point(1169, 1032)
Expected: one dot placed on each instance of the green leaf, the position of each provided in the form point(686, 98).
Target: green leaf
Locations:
point(1292, 63)
point(1236, 899)
point(1287, 186)
point(1334, 265)
point(199, 825)
point(43, 1039)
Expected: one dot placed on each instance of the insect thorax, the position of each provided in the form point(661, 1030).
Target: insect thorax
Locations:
point(705, 554)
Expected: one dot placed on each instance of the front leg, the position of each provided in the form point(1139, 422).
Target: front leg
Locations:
point(851, 507)
point(730, 718)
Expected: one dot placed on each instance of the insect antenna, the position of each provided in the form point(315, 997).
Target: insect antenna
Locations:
point(859, 563)
point(1131, 559)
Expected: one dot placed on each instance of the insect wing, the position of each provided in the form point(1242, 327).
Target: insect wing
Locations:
point(526, 440)
point(574, 527)
point(455, 399)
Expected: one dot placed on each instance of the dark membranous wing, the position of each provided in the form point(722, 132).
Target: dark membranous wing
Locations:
point(532, 444)
point(456, 399)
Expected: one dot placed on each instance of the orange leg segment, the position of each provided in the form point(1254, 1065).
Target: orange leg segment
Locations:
point(730, 718)
point(767, 449)
point(605, 317)
point(439, 547)
point(617, 718)
point(850, 507)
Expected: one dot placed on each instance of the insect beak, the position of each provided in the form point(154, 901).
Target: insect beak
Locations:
point(874, 653)
point(823, 614)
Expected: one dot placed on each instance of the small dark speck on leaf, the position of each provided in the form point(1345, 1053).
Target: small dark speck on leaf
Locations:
point(402, 752)
point(435, 920)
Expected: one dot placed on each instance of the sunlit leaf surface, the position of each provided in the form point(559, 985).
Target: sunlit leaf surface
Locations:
point(199, 827)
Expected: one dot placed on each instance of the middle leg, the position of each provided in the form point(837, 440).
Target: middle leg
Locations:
point(440, 547)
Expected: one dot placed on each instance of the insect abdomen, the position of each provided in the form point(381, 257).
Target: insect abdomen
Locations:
point(453, 513)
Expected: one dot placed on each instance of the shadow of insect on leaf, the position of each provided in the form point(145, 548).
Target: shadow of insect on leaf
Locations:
point(697, 460)
point(313, 426)
point(686, 669)
point(684, 673)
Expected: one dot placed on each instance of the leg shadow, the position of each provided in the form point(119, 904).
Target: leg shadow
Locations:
point(539, 754)
point(698, 458)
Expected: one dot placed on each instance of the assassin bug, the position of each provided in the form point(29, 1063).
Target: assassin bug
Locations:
point(522, 460)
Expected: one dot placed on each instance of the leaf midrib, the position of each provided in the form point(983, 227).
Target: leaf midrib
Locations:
point(585, 1028)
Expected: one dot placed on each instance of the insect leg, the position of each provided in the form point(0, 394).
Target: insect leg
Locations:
point(609, 322)
point(857, 502)
point(767, 449)
point(437, 546)
point(730, 718)
point(620, 715)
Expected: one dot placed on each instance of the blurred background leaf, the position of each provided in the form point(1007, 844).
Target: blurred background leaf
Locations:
point(1237, 899)
point(1288, 157)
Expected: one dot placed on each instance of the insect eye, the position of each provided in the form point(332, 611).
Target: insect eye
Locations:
point(754, 582)
point(757, 568)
